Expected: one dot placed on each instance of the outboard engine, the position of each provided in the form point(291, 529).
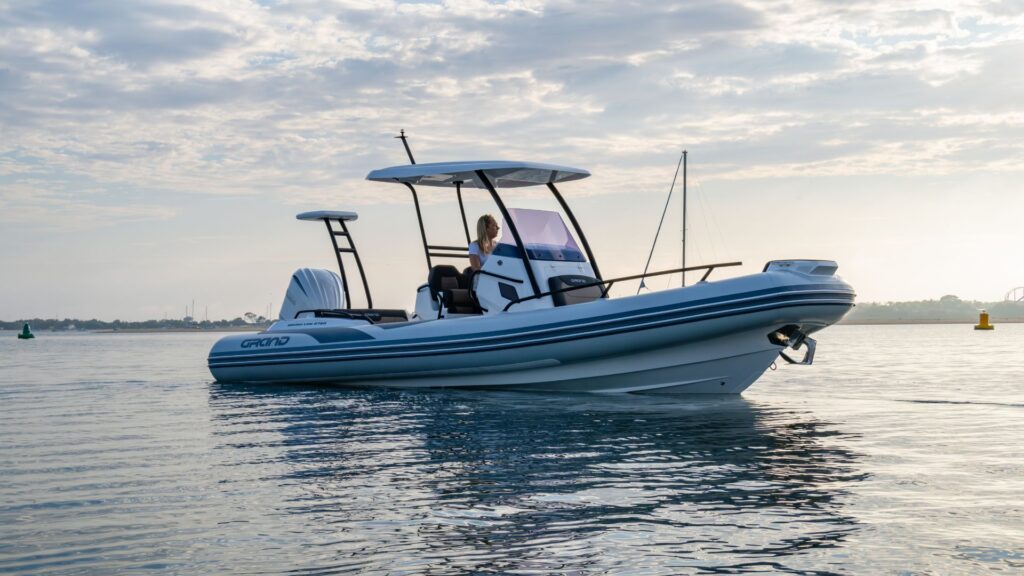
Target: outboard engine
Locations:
point(312, 289)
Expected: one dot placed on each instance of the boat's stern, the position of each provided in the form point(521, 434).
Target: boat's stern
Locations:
point(244, 357)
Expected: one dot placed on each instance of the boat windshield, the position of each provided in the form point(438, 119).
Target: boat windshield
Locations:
point(544, 235)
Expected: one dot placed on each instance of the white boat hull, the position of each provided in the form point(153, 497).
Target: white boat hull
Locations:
point(708, 338)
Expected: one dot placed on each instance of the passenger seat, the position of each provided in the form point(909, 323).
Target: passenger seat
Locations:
point(446, 281)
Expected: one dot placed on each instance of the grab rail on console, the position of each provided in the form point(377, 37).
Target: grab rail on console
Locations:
point(609, 283)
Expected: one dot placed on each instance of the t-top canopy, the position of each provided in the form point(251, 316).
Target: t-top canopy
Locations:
point(502, 174)
point(327, 215)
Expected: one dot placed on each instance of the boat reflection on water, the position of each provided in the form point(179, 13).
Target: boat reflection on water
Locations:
point(446, 481)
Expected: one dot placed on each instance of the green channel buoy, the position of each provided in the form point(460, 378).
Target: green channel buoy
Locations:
point(26, 333)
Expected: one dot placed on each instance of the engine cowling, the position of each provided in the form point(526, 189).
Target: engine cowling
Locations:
point(313, 289)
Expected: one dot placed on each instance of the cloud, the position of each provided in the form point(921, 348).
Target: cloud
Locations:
point(37, 204)
point(294, 100)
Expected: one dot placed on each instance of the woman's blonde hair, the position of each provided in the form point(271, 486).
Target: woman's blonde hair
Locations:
point(483, 239)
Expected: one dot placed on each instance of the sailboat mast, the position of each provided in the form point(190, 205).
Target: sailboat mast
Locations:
point(664, 211)
point(684, 216)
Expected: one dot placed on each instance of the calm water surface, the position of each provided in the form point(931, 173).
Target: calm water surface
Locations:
point(901, 451)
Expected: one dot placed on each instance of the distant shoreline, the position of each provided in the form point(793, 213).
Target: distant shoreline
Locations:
point(176, 330)
point(948, 309)
point(261, 328)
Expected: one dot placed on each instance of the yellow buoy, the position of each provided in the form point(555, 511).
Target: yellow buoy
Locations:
point(983, 322)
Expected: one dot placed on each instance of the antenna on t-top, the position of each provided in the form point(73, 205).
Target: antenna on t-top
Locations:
point(405, 142)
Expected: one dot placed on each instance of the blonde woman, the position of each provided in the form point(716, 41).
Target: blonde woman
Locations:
point(486, 232)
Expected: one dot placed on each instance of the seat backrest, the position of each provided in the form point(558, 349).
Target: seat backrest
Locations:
point(456, 289)
point(443, 277)
point(588, 294)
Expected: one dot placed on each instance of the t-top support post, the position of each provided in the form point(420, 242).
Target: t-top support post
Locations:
point(419, 218)
point(512, 228)
point(462, 210)
point(576, 226)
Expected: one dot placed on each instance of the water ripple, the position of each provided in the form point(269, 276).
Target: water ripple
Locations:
point(119, 457)
point(497, 481)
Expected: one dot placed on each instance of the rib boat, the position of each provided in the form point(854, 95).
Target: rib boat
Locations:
point(538, 315)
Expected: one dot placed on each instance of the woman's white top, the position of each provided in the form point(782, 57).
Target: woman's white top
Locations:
point(474, 250)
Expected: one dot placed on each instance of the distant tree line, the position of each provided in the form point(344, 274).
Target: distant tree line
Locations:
point(249, 320)
point(948, 309)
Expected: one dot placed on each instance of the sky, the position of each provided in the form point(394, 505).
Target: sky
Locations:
point(154, 154)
